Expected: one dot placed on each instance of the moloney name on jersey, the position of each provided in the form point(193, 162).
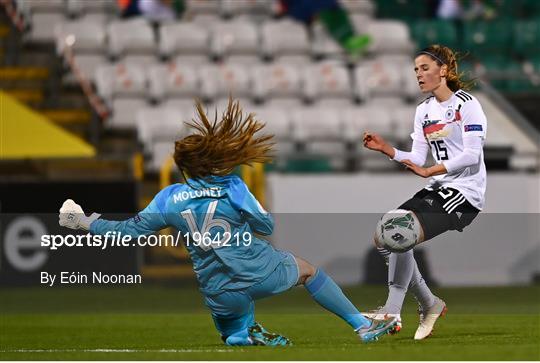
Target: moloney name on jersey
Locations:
point(198, 193)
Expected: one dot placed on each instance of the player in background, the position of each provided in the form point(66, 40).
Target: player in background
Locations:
point(232, 272)
point(452, 124)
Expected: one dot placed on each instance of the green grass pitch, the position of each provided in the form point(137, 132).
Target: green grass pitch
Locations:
point(168, 323)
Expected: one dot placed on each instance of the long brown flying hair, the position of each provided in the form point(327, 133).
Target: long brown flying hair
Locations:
point(217, 147)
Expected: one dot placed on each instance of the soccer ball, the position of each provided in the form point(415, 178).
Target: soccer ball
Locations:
point(398, 230)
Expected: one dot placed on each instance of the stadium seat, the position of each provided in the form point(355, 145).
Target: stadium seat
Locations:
point(222, 80)
point(161, 151)
point(320, 133)
point(284, 38)
point(527, 37)
point(389, 37)
point(253, 8)
point(124, 111)
point(159, 124)
point(120, 80)
point(42, 28)
point(483, 36)
point(87, 64)
point(83, 37)
point(277, 81)
point(185, 105)
point(79, 7)
point(237, 37)
point(42, 6)
point(364, 7)
point(427, 32)
point(374, 118)
point(173, 80)
point(197, 7)
point(184, 38)
point(380, 77)
point(328, 80)
point(402, 117)
point(131, 37)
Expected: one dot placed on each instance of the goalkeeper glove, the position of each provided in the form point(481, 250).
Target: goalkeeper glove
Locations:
point(72, 216)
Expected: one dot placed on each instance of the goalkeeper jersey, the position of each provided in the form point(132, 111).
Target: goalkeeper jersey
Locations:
point(444, 126)
point(216, 218)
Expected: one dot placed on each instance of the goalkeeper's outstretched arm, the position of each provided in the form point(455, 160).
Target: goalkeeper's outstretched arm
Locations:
point(148, 221)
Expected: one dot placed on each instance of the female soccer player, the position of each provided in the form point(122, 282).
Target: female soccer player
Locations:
point(218, 217)
point(452, 124)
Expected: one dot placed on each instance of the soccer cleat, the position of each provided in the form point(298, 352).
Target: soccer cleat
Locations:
point(376, 329)
point(260, 336)
point(381, 314)
point(428, 319)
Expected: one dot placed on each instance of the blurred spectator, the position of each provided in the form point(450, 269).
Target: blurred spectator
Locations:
point(333, 16)
point(153, 10)
point(455, 10)
point(129, 8)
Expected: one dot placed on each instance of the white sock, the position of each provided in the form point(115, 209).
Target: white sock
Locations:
point(420, 289)
point(400, 271)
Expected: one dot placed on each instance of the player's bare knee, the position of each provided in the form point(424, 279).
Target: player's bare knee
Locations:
point(305, 270)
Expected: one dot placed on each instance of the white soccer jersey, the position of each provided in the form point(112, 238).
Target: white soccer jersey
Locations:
point(444, 126)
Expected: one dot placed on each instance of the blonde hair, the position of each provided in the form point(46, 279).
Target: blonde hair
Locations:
point(446, 56)
point(216, 148)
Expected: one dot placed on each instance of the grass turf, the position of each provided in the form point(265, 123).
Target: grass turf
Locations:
point(163, 323)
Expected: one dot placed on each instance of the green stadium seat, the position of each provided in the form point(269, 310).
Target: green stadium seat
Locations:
point(406, 10)
point(488, 36)
point(426, 32)
point(527, 37)
point(530, 8)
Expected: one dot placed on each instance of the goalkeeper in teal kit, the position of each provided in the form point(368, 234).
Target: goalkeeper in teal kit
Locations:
point(219, 217)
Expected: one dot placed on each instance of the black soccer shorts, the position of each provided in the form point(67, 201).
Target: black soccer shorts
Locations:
point(441, 210)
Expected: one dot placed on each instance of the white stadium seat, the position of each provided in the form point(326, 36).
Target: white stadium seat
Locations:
point(278, 123)
point(237, 37)
point(131, 37)
point(160, 151)
point(222, 80)
point(378, 77)
point(87, 65)
point(196, 7)
point(183, 38)
point(233, 8)
point(327, 80)
point(159, 124)
point(277, 80)
point(124, 111)
point(173, 80)
point(80, 7)
point(42, 6)
point(81, 36)
point(376, 119)
point(390, 37)
point(120, 80)
point(364, 7)
point(43, 26)
point(284, 37)
point(321, 132)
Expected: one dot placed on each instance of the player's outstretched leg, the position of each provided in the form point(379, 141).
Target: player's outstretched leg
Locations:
point(330, 296)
